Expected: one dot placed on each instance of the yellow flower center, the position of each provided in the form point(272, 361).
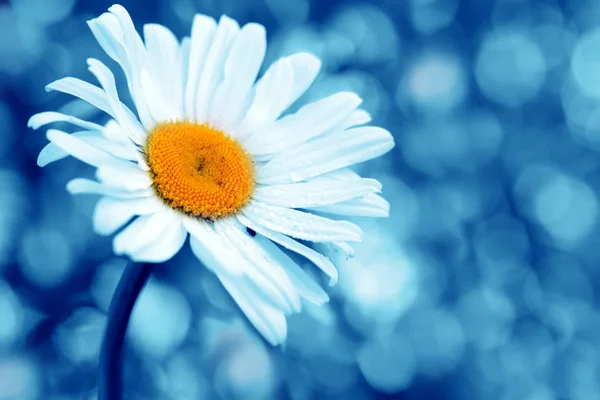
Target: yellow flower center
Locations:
point(198, 169)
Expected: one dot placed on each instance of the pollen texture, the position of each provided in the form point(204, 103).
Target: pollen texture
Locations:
point(199, 170)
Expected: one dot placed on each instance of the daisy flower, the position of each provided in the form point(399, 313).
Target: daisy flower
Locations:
point(209, 152)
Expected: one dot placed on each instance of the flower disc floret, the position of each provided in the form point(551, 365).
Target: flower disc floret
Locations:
point(198, 169)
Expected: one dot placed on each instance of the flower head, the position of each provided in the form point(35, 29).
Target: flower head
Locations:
point(207, 153)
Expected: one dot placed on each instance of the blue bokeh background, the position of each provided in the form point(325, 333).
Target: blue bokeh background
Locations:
point(482, 284)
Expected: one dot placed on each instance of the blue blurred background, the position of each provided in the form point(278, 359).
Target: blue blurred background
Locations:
point(482, 284)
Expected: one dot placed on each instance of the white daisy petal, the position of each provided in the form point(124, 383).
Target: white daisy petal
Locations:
point(81, 150)
point(110, 214)
point(164, 65)
point(49, 154)
point(131, 38)
point(264, 267)
point(123, 150)
point(107, 80)
point(86, 92)
point(317, 192)
point(324, 154)
point(241, 69)
point(268, 320)
point(316, 258)
point(203, 30)
point(276, 90)
point(127, 177)
point(165, 246)
point(49, 117)
point(157, 103)
point(304, 284)
point(301, 225)
point(146, 232)
point(112, 130)
point(266, 105)
point(357, 118)
point(310, 121)
point(212, 73)
point(342, 174)
point(306, 68)
point(339, 256)
point(221, 255)
point(344, 248)
point(138, 234)
point(136, 55)
point(83, 90)
point(210, 248)
point(108, 34)
point(268, 291)
point(184, 61)
point(371, 205)
point(86, 186)
point(141, 163)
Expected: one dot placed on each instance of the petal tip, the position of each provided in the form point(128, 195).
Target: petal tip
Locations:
point(325, 299)
point(308, 61)
point(51, 134)
point(32, 122)
point(92, 62)
point(203, 19)
point(117, 8)
point(117, 248)
point(332, 282)
point(71, 186)
point(41, 162)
